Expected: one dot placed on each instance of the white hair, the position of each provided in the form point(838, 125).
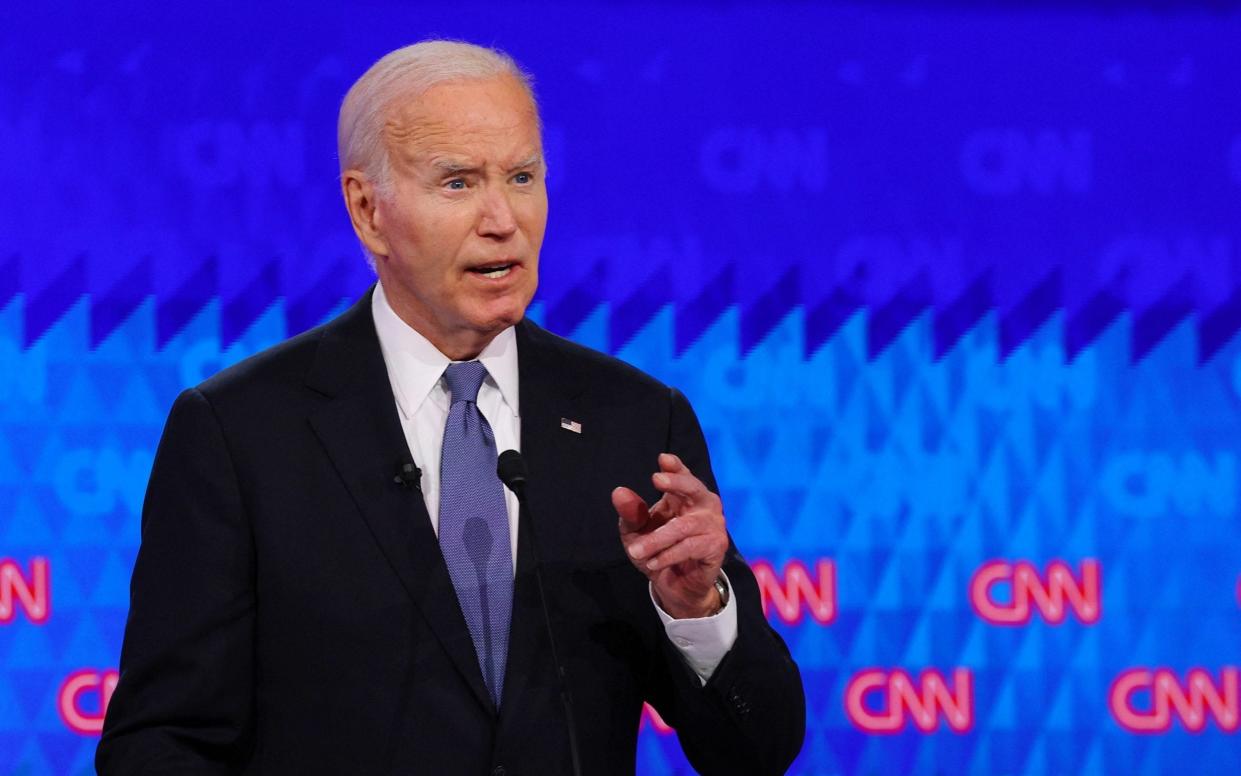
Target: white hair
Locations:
point(402, 75)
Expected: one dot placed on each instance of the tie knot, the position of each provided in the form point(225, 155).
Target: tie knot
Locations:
point(464, 380)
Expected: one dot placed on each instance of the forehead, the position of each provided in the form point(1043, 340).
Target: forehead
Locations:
point(468, 118)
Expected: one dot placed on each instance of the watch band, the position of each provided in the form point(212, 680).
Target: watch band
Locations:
point(721, 587)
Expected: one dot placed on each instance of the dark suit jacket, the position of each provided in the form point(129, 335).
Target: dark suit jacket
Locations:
point(291, 612)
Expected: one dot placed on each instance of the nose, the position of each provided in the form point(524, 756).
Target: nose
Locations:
point(497, 219)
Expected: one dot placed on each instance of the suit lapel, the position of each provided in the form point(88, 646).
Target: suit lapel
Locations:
point(361, 432)
point(555, 460)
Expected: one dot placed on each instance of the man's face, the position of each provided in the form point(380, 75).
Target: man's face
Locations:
point(460, 231)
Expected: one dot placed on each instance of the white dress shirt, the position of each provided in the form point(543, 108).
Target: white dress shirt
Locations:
point(416, 369)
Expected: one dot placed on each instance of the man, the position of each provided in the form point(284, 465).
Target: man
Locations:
point(332, 578)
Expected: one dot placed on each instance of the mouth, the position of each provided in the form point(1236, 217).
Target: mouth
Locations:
point(494, 271)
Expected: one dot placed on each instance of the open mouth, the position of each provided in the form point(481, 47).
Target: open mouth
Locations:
point(493, 271)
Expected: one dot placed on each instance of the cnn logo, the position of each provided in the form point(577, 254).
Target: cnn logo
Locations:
point(886, 702)
point(1052, 593)
point(83, 699)
point(798, 590)
point(1145, 701)
point(29, 592)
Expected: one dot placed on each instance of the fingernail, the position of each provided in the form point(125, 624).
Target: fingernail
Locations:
point(651, 565)
point(661, 479)
point(635, 551)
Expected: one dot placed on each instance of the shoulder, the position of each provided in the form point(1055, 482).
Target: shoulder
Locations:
point(596, 372)
point(338, 355)
point(285, 364)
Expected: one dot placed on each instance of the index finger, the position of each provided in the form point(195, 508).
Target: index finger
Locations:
point(681, 484)
point(672, 463)
point(679, 481)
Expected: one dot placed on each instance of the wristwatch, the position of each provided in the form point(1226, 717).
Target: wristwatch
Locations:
point(721, 587)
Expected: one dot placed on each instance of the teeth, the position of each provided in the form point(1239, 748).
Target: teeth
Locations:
point(496, 273)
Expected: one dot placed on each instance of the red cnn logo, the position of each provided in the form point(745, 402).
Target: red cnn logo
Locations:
point(69, 701)
point(1083, 593)
point(926, 702)
point(32, 592)
point(1166, 695)
point(798, 591)
point(652, 718)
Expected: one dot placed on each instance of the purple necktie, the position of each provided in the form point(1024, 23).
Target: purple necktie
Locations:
point(474, 531)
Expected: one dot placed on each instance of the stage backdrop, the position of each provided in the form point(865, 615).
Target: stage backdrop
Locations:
point(954, 289)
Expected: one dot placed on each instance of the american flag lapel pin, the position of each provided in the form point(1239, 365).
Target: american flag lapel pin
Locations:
point(571, 425)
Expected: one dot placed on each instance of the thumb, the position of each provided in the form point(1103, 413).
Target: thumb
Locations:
point(631, 508)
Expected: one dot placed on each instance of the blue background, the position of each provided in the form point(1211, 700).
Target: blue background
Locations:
point(946, 282)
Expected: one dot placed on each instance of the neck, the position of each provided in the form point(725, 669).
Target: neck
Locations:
point(460, 345)
point(459, 351)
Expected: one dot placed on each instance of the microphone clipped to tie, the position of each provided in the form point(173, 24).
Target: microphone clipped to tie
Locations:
point(408, 476)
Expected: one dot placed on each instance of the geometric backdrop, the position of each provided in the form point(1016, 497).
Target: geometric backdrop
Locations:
point(954, 289)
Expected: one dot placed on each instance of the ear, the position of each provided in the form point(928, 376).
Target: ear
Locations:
point(361, 199)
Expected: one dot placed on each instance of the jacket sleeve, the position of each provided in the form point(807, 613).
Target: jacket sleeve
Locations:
point(750, 716)
point(184, 702)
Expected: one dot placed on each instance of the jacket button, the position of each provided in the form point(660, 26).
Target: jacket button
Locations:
point(498, 771)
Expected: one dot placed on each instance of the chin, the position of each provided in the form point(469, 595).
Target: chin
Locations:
point(507, 312)
point(512, 319)
point(499, 320)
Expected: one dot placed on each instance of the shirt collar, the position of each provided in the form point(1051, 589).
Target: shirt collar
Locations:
point(415, 366)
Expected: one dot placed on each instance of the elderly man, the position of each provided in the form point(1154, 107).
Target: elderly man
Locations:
point(332, 578)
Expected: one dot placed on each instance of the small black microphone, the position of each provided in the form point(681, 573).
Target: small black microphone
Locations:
point(408, 476)
point(511, 470)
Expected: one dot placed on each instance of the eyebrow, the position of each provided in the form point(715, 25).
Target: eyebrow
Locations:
point(530, 161)
point(453, 167)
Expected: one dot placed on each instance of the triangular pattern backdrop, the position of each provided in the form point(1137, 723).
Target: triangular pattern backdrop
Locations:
point(954, 291)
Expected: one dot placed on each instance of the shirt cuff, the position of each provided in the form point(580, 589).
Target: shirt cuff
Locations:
point(702, 641)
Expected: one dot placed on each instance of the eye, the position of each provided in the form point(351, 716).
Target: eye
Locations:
point(523, 178)
point(456, 184)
